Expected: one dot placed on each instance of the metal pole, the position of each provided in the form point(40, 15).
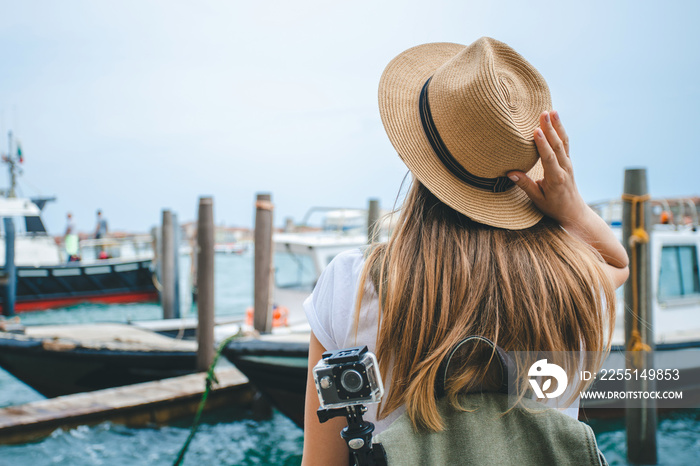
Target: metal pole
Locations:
point(11, 164)
point(8, 307)
point(167, 270)
point(289, 225)
point(205, 282)
point(155, 235)
point(640, 414)
point(372, 219)
point(263, 263)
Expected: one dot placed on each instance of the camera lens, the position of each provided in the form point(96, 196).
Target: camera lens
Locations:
point(351, 380)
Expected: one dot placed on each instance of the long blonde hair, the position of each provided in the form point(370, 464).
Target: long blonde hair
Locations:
point(442, 277)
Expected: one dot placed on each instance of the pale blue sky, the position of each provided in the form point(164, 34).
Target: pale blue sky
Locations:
point(133, 106)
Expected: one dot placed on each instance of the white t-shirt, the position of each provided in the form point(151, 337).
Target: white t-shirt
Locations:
point(330, 310)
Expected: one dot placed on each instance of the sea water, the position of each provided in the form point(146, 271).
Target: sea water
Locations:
point(237, 436)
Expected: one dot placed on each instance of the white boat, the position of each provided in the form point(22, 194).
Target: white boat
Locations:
point(675, 307)
point(301, 256)
point(299, 260)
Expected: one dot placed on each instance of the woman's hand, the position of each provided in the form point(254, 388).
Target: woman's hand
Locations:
point(557, 196)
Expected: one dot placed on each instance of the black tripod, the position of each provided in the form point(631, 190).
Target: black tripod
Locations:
point(358, 435)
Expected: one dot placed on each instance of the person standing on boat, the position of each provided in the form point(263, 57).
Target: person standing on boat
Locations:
point(493, 239)
point(100, 233)
point(101, 229)
point(70, 239)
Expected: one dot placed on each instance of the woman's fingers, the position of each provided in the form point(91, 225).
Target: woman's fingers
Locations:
point(549, 158)
point(559, 128)
point(554, 141)
point(524, 182)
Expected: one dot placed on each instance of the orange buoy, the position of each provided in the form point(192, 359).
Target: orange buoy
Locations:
point(280, 316)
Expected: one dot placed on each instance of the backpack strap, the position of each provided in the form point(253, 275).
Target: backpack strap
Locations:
point(506, 364)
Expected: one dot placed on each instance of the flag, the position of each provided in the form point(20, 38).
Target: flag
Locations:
point(19, 153)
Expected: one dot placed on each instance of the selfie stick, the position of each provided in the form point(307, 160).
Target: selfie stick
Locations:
point(358, 435)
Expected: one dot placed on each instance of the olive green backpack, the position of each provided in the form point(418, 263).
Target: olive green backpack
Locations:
point(489, 434)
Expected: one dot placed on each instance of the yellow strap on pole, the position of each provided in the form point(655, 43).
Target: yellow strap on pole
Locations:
point(264, 205)
point(638, 237)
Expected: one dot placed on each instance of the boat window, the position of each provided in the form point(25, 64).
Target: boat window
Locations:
point(34, 225)
point(294, 270)
point(19, 224)
point(678, 277)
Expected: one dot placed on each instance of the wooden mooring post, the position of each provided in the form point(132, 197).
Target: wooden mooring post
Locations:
point(262, 315)
point(177, 237)
point(167, 265)
point(194, 244)
point(639, 326)
point(155, 236)
point(205, 283)
point(10, 278)
point(372, 219)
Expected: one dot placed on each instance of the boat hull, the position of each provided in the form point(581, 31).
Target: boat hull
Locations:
point(277, 370)
point(40, 288)
point(55, 368)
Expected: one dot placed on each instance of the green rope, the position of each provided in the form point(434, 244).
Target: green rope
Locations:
point(210, 381)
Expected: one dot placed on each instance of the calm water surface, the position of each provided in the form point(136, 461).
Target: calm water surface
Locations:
point(236, 436)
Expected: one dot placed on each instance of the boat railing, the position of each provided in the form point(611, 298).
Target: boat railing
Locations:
point(343, 221)
point(116, 247)
point(693, 210)
point(677, 213)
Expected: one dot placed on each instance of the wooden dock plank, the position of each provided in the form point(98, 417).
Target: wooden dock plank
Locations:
point(139, 404)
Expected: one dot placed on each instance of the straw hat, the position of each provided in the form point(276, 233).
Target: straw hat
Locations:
point(461, 117)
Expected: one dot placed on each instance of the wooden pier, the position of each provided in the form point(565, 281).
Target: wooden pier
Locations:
point(134, 405)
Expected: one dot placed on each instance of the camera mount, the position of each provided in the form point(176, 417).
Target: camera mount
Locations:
point(357, 435)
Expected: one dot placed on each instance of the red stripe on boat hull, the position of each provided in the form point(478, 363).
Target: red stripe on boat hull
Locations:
point(105, 298)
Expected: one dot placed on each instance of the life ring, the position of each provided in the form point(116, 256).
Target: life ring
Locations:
point(280, 316)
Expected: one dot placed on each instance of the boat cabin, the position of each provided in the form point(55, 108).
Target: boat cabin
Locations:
point(33, 245)
point(675, 281)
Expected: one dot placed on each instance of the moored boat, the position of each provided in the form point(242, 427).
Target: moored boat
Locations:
point(110, 281)
point(59, 360)
point(277, 365)
point(110, 270)
point(299, 260)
